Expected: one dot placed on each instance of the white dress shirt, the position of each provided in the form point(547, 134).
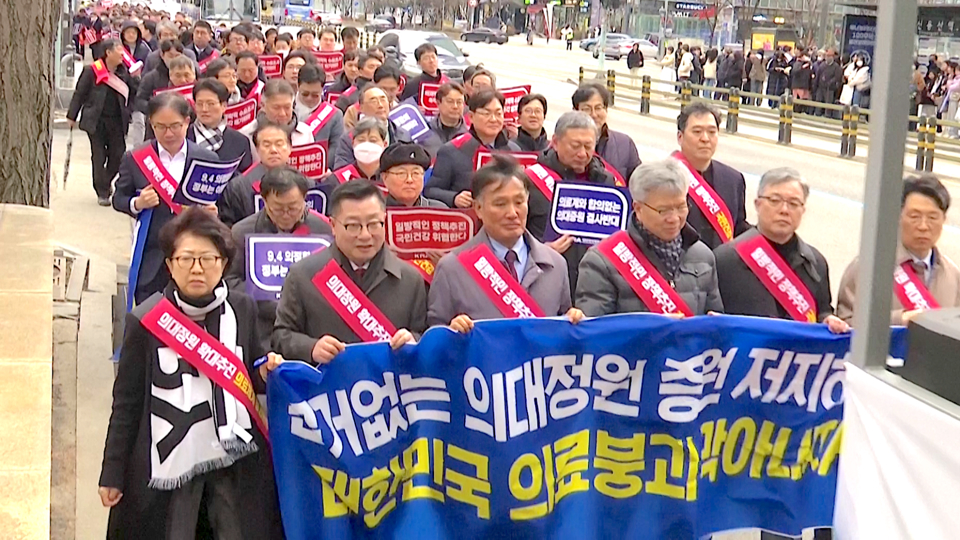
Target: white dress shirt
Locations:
point(173, 163)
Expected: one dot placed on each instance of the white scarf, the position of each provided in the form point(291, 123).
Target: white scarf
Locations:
point(195, 426)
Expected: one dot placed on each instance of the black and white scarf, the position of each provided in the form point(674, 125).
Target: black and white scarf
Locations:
point(669, 252)
point(195, 426)
point(211, 139)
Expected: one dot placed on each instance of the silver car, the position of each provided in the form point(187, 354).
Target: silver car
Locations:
point(400, 45)
point(621, 48)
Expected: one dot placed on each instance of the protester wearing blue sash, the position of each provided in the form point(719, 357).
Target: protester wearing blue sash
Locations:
point(169, 115)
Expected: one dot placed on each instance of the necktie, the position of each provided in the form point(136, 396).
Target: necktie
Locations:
point(920, 267)
point(360, 272)
point(510, 262)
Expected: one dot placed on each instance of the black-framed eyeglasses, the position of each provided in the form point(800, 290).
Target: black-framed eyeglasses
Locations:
point(356, 228)
point(793, 204)
point(206, 261)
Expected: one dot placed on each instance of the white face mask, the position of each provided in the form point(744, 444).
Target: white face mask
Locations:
point(367, 152)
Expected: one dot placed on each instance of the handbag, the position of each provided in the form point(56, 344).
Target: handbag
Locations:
point(846, 95)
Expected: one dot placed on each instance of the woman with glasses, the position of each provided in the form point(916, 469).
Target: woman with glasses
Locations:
point(139, 187)
point(658, 264)
point(224, 69)
point(185, 456)
point(617, 149)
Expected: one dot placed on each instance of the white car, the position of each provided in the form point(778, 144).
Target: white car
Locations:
point(329, 19)
point(621, 49)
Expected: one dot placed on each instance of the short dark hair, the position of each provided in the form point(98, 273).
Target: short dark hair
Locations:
point(278, 87)
point(211, 85)
point(697, 108)
point(263, 126)
point(307, 58)
point(248, 54)
point(287, 38)
point(168, 45)
point(348, 32)
point(386, 72)
point(483, 98)
point(424, 48)
point(108, 45)
point(198, 222)
point(305, 31)
point(239, 30)
point(364, 57)
point(150, 26)
point(328, 30)
point(470, 70)
point(446, 88)
point(588, 90)
point(525, 100)
point(350, 56)
point(358, 189)
point(198, 24)
point(498, 170)
point(311, 73)
point(257, 35)
point(169, 100)
point(927, 185)
point(214, 68)
point(281, 180)
point(271, 31)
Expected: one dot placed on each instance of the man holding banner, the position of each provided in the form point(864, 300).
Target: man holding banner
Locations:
point(503, 272)
point(239, 199)
point(284, 191)
point(658, 264)
point(717, 191)
point(354, 291)
point(923, 278)
point(770, 271)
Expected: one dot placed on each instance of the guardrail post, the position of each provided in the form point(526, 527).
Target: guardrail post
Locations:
point(581, 76)
point(845, 137)
point(921, 142)
point(612, 84)
point(645, 95)
point(786, 119)
point(685, 92)
point(854, 126)
point(931, 143)
point(733, 110)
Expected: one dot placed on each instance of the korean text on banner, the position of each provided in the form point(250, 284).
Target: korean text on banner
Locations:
point(309, 159)
point(407, 117)
point(272, 65)
point(412, 232)
point(186, 91)
point(269, 258)
point(241, 114)
point(588, 212)
point(330, 61)
point(617, 425)
point(205, 181)
point(428, 97)
point(511, 106)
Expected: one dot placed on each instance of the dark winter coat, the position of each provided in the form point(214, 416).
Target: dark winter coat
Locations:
point(238, 199)
point(455, 165)
point(140, 50)
point(235, 145)
point(154, 61)
point(619, 150)
point(634, 59)
point(531, 144)
point(732, 188)
point(89, 98)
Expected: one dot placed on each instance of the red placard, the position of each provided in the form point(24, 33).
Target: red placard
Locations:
point(202, 65)
point(272, 65)
point(356, 310)
point(483, 156)
point(428, 97)
point(330, 61)
point(511, 103)
point(241, 114)
point(185, 91)
point(310, 160)
point(412, 232)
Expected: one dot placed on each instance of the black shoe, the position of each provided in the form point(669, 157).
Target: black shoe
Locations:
point(103, 201)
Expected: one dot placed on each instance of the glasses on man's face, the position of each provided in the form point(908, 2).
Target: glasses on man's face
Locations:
point(931, 219)
point(204, 105)
point(670, 211)
point(591, 109)
point(403, 175)
point(487, 114)
point(185, 262)
point(775, 201)
point(290, 210)
point(164, 128)
point(452, 102)
point(356, 228)
point(533, 111)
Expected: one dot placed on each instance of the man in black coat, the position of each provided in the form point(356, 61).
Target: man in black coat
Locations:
point(531, 135)
point(210, 129)
point(103, 100)
point(698, 132)
point(426, 57)
point(828, 83)
point(240, 198)
point(456, 160)
point(780, 205)
point(158, 78)
point(449, 122)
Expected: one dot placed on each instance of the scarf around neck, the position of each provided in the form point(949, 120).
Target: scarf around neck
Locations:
point(669, 252)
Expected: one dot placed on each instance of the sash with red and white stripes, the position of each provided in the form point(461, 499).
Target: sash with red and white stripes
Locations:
point(157, 175)
point(202, 65)
point(708, 202)
point(319, 118)
point(642, 276)
point(506, 293)
point(133, 66)
point(103, 75)
point(255, 92)
point(205, 352)
point(778, 278)
point(346, 298)
point(910, 290)
point(544, 178)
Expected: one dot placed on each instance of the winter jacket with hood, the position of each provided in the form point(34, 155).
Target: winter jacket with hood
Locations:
point(140, 50)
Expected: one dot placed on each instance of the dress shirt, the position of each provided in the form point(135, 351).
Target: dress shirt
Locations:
point(926, 263)
point(522, 252)
point(173, 163)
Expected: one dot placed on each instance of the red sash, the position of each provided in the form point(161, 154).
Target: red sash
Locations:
point(708, 202)
point(617, 177)
point(484, 155)
point(910, 290)
point(346, 298)
point(506, 293)
point(347, 173)
point(349, 91)
point(544, 178)
point(778, 278)
point(425, 267)
point(205, 352)
point(642, 276)
point(202, 65)
point(255, 92)
point(159, 177)
point(90, 36)
point(461, 140)
point(133, 66)
point(319, 118)
point(103, 75)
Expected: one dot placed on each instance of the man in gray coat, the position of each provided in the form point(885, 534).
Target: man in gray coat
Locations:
point(658, 229)
point(308, 328)
point(500, 192)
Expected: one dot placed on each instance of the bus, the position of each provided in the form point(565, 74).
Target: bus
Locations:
point(227, 11)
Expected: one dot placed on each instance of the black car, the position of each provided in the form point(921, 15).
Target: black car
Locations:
point(485, 35)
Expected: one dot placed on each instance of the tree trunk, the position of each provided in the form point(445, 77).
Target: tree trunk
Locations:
point(27, 36)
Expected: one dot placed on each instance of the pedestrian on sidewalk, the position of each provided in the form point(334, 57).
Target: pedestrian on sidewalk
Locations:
point(635, 61)
point(103, 100)
point(568, 36)
point(710, 72)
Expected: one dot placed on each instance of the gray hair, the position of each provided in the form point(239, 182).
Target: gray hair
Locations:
point(667, 174)
point(782, 175)
point(370, 123)
point(167, 25)
point(574, 120)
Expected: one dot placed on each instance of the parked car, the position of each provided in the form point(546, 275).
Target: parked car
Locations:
point(380, 24)
point(400, 44)
point(484, 34)
point(328, 19)
point(591, 43)
point(621, 49)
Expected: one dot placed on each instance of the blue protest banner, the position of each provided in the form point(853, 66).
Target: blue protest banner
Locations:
point(205, 181)
point(627, 426)
point(407, 116)
point(588, 212)
point(269, 258)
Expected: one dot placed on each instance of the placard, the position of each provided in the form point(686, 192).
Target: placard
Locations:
point(316, 199)
point(330, 61)
point(270, 256)
point(309, 159)
point(241, 114)
point(413, 232)
point(511, 103)
point(272, 65)
point(524, 159)
point(186, 91)
point(428, 97)
point(205, 181)
point(407, 117)
point(587, 212)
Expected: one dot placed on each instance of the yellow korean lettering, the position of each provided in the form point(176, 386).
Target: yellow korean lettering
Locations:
point(748, 428)
point(694, 469)
point(659, 485)
point(762, 448)
point(420, 449)
point(572, 455)
point(831, 452)
point(399, 474)
point(376, 488)
point(338, 500)
point(528, 493)
point(438, 462)
point(465, 488)
point(805, 457)
point(714, 435)
point(621, 458)
point(776, 468)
